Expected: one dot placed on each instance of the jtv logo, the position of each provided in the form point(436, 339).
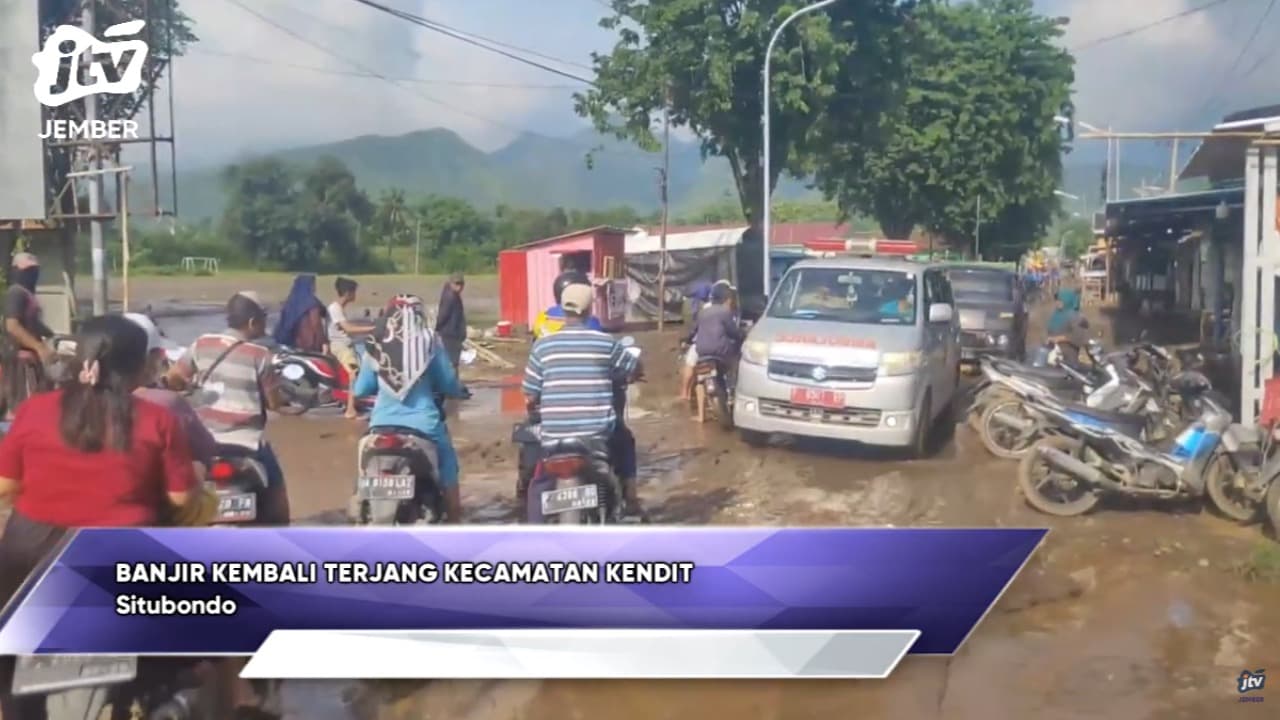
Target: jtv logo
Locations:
point(58, 80)
point(1251, 681)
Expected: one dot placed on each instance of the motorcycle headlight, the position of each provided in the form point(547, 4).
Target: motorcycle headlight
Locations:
point(755, 352)
point(900, 363)
point(1002, 339)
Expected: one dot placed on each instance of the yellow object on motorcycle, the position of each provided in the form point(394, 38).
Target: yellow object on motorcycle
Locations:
point(199, 510)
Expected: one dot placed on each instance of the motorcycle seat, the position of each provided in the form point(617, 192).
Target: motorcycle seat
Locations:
point(398, 430)
point(233, 451)
point(1051, 377)
point(580, 447)
point(1127, 423)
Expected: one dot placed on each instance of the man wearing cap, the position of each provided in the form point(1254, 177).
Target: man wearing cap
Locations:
point(235, 387)
point(571, 377)
point(25, 331)
point(451, 318)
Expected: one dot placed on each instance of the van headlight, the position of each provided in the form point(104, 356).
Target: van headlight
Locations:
point(900, 363)
point(755, 352)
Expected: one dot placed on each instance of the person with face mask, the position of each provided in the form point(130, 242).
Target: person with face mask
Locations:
point(24, 348)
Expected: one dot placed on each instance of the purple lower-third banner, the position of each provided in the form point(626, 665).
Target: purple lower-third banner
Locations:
point(521, 602)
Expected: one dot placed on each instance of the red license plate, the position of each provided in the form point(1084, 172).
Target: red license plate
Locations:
point(817, 398)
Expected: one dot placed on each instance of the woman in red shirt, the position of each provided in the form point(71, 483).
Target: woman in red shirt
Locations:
point(90, 454)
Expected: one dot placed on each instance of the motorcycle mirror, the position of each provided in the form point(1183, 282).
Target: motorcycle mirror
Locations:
point(627, 341)
point(292, 373)
point(468, 356)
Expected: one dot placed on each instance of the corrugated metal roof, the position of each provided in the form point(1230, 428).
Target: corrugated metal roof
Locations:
point(566, 236)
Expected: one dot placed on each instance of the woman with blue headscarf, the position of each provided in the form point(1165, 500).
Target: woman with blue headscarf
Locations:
point(302, 318)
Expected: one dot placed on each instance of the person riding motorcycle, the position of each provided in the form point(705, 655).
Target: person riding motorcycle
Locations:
point(90, 454)
point(407, 367)
point(597, 369)
point(552, 319)
point(150, 388)
point(235, 385)
point(717, 334)
point(22, 345)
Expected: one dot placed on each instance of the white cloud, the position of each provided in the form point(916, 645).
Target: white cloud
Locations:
point(229, 102)
point(1168, 75)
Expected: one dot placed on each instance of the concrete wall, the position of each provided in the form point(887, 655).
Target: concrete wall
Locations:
point(22, 178)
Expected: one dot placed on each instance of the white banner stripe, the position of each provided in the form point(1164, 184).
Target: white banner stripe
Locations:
point(579, 654)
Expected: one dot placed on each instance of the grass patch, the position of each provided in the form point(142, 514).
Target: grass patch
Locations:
point(1263, 564)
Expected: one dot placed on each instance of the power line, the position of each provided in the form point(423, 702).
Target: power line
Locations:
point(473, 40)
point(374, 73)
point(1224, 82)
point(200, 50)
point(1147, 26)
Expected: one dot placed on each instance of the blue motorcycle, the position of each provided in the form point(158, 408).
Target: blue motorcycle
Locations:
point(1093, 453)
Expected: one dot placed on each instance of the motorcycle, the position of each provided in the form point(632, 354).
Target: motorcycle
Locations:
point(239, 480)
point(1241, 485)
point(1056, 365)
point(397, 482)
point(1008, 429)
point(1095, 453)
point(312, 380)
point(571, 482)
point(712, 387)
point(162, 688)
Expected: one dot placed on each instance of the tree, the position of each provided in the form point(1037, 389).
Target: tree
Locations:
point(297, 220)
point(456, 233)
point(391, 217)
point(972, 138)
point(707, 56)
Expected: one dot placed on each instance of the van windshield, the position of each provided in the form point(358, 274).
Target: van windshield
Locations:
point(876, 297)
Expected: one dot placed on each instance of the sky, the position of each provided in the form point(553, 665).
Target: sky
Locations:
point(249, 86)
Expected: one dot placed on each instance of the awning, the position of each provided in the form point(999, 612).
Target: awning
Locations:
point(1222, 159)
point(1170, 217)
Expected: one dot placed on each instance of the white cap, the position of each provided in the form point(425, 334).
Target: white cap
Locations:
point(154, 340)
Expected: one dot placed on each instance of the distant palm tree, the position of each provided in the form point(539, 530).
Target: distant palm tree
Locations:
point(393, 213)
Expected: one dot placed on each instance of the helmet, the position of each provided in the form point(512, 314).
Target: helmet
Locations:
point(567, 278)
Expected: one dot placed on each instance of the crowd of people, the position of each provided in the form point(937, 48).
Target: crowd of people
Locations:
point(147, 429)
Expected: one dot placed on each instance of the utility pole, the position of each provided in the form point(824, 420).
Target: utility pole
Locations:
point(417, 245)
point(1118, 188)
point(95, 185)
point(1173, 167)
point(664, 177)
point(977, 230)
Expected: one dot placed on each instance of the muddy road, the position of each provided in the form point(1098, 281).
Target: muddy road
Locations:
point(1131, 612)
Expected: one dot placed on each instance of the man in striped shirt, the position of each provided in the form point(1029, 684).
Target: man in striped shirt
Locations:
point(571, 376)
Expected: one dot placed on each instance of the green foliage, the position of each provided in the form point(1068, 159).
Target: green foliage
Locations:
point(973, 126)
point(703, 59)
point(1073, 235)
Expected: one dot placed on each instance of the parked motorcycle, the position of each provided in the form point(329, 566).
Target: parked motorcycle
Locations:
point(1095, 453)
point(1008, 428)
point(1056, 366)
point(571, 483)
point(1241, 485)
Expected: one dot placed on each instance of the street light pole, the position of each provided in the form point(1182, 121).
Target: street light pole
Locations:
point(768, 53)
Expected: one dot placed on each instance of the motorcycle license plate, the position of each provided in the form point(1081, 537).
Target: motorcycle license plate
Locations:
point(581, 497)
point(385, 487)
point(236, 508)
point(811, 397)
point(39, 674)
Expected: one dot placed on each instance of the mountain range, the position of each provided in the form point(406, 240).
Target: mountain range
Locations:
point(537, 171)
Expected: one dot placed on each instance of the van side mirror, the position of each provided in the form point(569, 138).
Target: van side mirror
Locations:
point(940, 313)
